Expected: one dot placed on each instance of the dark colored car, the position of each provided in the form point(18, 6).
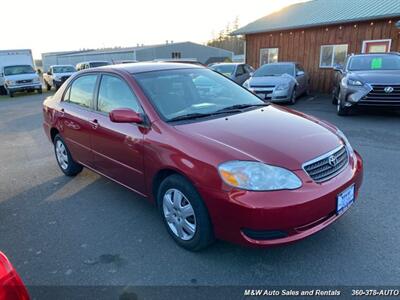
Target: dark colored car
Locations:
point(367, 80)
point(216, 160)
point(238, 72)
point(279, 82)
point(11, 284)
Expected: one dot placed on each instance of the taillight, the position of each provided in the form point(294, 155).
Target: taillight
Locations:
point(11, 285)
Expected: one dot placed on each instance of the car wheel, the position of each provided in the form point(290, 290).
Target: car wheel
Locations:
point(64, 158)
point(341, 109)
point(184, 213)
point(11, 94)
point(293, 97)
point(334, 97)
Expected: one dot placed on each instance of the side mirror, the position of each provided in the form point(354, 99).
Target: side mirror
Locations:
point(251, 74)
point(338, 68)
point(125, 115)
point(300, 73)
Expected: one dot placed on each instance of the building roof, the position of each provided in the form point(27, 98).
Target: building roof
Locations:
point(323, 12)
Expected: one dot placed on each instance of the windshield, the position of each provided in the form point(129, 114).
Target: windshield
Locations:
point(177, 93)
point(224, 69)
point(274, 70)
point(17, 70)
point(99, 64)
point(64, 69)
point(374, 62)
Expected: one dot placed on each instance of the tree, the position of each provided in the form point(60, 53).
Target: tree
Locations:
point(226, 41)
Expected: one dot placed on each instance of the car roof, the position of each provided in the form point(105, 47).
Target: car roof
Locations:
point(376, 53)
point(142, 67)
point(61, 66)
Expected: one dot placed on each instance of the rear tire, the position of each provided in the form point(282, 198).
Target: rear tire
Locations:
point(184, 213)
point(64, 159)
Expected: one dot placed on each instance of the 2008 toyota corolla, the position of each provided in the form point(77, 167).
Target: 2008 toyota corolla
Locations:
point(216, 160)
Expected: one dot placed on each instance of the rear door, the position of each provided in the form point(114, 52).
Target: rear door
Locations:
point(118, 147)
point(76, 115)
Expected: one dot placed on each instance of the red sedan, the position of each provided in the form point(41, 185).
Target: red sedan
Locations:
point(11, 285)
point(216, 160)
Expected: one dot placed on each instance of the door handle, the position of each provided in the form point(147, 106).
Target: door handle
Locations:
point(94, 123)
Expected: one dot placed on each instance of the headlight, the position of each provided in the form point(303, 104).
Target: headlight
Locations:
point(10, 82)
point(346, 141)
point(354, 82)
point(36, 79)
point(56, 78)
point(256, 176)
point(282, 87)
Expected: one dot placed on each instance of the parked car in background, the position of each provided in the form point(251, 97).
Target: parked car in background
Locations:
point(367, 80)
point(238, 72)
point(91, 64)
point(57, 75)
point(217, 162)
point(279, 82)
point(22, 57)
point(11, 285)
point(124, 61)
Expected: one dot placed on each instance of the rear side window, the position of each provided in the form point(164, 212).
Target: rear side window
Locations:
point(81, 91)
point(115, 93)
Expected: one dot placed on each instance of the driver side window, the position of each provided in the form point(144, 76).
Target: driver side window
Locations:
point(115, 93)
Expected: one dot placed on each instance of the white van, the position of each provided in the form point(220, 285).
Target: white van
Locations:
point(17, 72)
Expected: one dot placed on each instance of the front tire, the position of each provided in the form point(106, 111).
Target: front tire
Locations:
point(64, 159)
point(293, 97)
point(341, 109)
point(184, 213)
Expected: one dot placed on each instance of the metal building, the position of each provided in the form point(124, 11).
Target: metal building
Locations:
point(184, 50)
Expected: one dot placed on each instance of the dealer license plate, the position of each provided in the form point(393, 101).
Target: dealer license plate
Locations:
point(345, 199)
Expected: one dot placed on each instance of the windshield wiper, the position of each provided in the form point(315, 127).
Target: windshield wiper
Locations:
point(190, 116)
point(240, 107)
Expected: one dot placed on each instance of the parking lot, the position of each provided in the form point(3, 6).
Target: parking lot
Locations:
point(88, 230)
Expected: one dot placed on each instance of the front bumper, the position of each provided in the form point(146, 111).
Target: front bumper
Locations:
point(285, 216)
point(273, 95)
point(24, 87)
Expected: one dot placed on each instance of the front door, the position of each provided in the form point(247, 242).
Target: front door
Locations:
point(118, 147)
point(376, 46)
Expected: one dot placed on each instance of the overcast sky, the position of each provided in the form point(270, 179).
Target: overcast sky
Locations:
point(54, 25)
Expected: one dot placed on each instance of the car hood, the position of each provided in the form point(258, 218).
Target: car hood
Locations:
point(22, 77)
point(63, 74)
point(270, 80)
point(274, 135)
point(377, 77)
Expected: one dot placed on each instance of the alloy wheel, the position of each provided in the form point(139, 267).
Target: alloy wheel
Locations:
point(179, 214)
point(61, 153)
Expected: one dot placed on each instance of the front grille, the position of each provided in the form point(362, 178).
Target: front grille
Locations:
point(64, 78)
point(378, 96)
point(264, 91)
point(328, 165)
point(23, 81)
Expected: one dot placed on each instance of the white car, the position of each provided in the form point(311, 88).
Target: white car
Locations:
point(57, 75)
point(21, 78)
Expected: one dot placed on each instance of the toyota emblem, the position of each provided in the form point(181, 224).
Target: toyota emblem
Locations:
point(332, 160)
point(388, 89)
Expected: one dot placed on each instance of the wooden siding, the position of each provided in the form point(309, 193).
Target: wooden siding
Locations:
point(303, 45)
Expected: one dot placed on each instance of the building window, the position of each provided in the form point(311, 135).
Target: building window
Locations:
point(332, 55)
point(376, 46)
point(175, 55)
point(268, 55)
